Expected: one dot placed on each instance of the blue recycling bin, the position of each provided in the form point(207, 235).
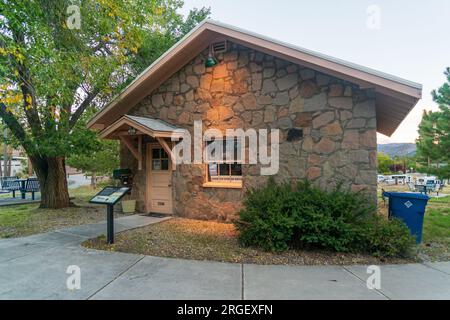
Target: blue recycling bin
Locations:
point(410, 208)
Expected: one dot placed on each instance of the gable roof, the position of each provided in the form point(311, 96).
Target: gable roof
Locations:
point(152, 127)
point(395, 97)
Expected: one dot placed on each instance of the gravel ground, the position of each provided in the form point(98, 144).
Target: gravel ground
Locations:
point(206, 240)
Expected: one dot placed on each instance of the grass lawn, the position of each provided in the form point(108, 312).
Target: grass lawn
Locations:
point(436, 231)
point(27, 219)
point(435, 244)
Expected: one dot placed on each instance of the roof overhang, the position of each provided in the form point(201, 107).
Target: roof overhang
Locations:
point(395, 97)
point(144, 126)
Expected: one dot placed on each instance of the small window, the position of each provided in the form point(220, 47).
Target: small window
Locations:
point(224, 166)
point(160, 159)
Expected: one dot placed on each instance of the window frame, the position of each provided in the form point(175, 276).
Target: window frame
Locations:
point(160, 159)
point(233, 181)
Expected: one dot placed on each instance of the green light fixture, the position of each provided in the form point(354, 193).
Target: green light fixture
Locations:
point(211, 61)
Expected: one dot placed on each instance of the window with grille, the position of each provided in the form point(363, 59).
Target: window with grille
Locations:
point(160, 159)
point(223, 161)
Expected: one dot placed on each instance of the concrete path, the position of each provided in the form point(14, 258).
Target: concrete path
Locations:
point(35, 268)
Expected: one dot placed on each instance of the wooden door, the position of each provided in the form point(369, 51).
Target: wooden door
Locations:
point(159, 181)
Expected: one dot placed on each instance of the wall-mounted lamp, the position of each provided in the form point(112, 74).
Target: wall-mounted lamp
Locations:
point(132, 131)
point(211, 61)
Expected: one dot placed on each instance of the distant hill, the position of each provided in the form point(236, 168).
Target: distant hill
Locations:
point(398, 149)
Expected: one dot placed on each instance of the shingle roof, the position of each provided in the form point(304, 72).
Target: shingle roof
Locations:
point(154, 124)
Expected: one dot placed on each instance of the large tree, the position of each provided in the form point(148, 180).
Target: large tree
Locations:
point(59, 58)
point(433, 144)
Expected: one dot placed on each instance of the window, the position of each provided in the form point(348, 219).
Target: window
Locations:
point(160, 159)
point(223, 163)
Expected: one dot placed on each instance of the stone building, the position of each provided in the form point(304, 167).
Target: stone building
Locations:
point(327, 111)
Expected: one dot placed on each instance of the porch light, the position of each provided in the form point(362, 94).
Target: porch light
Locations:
point(211, 61)
point(132, 131)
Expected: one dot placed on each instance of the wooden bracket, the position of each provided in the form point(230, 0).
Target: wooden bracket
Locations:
point(167, 148)
point(137, 153)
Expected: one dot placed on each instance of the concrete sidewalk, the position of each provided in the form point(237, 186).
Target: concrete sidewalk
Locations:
point(35, 268)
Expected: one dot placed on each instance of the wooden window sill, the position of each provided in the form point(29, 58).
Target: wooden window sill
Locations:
point(227, 185)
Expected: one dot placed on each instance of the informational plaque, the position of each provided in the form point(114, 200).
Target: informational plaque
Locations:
point(110, 195)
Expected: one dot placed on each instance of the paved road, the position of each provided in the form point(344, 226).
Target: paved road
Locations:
point(35, 268)
point(78, 180)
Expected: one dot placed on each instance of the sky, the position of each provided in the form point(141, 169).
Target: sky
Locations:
point(408, 39)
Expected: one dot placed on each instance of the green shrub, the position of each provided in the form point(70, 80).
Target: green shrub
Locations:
point(280, 216)
point(386, 238)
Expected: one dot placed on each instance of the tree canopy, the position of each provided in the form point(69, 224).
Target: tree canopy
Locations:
point(433, 144)
point(59, 58)
point(384, 163)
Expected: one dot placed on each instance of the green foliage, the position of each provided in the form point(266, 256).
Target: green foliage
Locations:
point(61, 58)
point(95, 155)
point(51, 73)
point(384, 162)
point(281, 216)
point(433, 144)
point(102, 161)
point(385, 238)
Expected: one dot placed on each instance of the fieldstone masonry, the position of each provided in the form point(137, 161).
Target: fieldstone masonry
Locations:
point(249, 89)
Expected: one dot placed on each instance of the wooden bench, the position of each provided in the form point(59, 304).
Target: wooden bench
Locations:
point(31, 185)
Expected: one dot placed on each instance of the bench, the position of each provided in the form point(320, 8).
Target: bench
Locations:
point(422, 189)
point(4, 179)
point(31, 185)
point(11, 184)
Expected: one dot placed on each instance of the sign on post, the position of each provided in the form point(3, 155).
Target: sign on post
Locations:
point(110, 196)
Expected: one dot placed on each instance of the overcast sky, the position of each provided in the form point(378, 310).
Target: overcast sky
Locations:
point(411, 39)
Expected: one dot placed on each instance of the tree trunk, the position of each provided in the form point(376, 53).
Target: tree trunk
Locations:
point(5, 153)
point(30, 167)
point(94, 180)
point(10, 166)
point(51, 173)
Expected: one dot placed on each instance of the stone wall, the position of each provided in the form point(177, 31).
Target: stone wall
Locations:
point(249, 89)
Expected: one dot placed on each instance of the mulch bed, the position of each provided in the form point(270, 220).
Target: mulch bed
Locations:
point(207, 240)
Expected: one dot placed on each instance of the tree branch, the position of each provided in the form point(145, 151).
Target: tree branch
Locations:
point(15, 127)
point(27, 88)
point(77, 114)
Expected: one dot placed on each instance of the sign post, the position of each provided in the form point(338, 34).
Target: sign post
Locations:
point(110, 196)
point(110, 223)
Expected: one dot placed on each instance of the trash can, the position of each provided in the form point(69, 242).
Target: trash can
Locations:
point(410, 208)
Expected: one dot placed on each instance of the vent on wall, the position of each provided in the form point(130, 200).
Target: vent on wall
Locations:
point(220, 47)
